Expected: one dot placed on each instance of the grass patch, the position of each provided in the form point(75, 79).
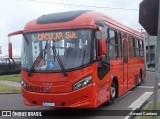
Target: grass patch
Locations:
point(149, 107)
point(12, 77)
point(9, 89)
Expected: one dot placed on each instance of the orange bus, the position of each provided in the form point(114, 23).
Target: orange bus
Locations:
point(78, 59)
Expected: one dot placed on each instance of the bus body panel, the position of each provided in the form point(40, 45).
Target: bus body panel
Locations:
point(61, 89)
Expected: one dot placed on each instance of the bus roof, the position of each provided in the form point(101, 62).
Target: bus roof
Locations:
point(74, 19)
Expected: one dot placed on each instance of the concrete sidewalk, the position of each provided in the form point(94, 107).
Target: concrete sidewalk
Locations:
point(11, 83)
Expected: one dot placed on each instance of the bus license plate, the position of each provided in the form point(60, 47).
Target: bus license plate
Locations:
point(49, 104)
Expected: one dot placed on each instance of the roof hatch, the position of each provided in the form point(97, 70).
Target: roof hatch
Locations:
point(60, 17)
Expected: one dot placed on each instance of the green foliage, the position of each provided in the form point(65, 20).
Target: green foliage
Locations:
point(12, 77)
point(149, 107)
point(9, 89)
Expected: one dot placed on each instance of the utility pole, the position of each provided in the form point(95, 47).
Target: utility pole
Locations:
point(149, 56)
point(156, 82)
point(149, 18)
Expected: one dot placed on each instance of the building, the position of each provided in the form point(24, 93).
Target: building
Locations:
point(150, 41)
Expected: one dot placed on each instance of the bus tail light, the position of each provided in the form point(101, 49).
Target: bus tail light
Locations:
point(82, 83)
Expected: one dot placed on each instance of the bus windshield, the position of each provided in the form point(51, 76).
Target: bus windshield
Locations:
point(72, 46)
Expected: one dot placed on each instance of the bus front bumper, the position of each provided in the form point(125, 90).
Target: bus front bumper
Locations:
point(82, 98)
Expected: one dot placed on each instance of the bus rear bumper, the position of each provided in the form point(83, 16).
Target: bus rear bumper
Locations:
point(82, 98)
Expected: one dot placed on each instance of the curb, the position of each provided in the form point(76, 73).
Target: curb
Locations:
point(9, 93)
point(151, 70)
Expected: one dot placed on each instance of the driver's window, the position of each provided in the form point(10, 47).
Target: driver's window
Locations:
point(35, 49)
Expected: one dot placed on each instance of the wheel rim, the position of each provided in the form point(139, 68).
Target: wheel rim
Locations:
point(139, 80)
point(113, 92)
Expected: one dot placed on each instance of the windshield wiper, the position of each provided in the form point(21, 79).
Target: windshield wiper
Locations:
point(58, 59)
point(38, 60)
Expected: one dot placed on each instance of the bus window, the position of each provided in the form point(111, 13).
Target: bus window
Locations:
point(125, 53)
point(137, 47)
point(113, 44)
point(132, 49)
point(119, 45)
point(141, 48)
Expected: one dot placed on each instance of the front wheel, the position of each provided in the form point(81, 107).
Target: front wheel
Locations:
point(113, 92)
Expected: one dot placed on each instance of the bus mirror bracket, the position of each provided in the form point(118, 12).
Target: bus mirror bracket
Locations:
point(102, 46)
point(10, 50)
point(10, 44)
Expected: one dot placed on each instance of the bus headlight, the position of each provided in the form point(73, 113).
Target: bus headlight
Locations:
point(23, 83)
point(82, 83)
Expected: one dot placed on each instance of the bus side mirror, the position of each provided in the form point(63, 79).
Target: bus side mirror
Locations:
point(102, 47)
point(10, 50)
point(101, 42)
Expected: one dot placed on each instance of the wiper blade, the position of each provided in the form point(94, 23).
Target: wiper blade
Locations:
point(38, 60)
point(58, 59)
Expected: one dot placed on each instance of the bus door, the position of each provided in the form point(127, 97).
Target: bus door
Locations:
point(125, 63)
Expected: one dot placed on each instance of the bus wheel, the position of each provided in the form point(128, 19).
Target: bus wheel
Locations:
point(113, 93)
point(140, 78)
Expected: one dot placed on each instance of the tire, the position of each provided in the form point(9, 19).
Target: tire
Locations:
point(140, 78)
point(113, 93)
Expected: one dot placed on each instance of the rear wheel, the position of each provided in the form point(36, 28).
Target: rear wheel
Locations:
point(113, 93)
point(140, 78)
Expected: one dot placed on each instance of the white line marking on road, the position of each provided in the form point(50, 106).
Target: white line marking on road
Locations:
point(137, 103)
point(145, 87)
point(123, 96)
point(127, 117)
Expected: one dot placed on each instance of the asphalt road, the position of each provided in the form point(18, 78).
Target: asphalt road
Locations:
point(125, 102)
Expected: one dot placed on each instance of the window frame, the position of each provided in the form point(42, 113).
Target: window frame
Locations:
point(136, 46)
point(116, 45)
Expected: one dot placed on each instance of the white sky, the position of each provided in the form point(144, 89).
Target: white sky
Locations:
point(14, 14)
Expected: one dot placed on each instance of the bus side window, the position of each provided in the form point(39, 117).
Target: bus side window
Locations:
point(113, 44)
point(141, 48)
point(119, 45)
point(95, 53)
point(137, 47)
point(131, 45)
